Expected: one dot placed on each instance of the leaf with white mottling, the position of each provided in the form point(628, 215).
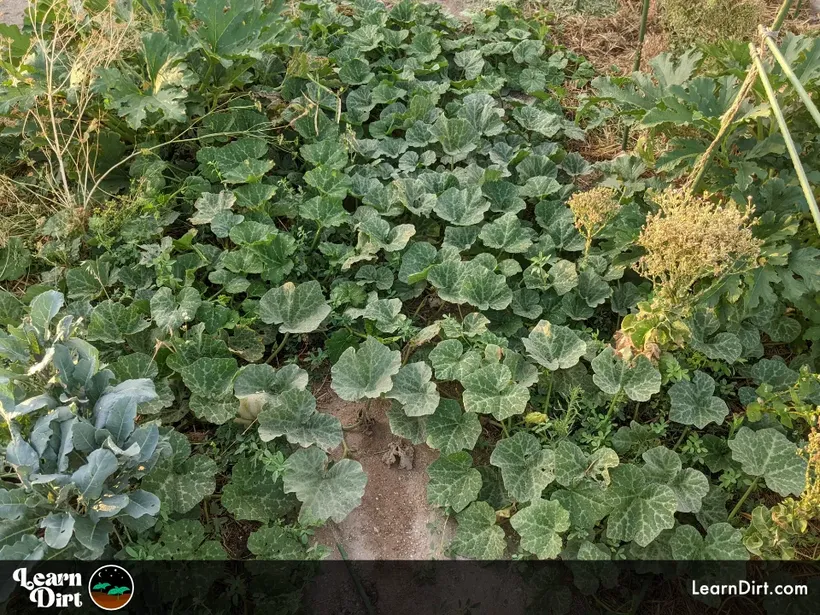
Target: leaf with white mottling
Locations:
point(491, 390)
point(694, 402)
point(526, 466)
point(295, 308)
point(325, 493)
point(554, 346)
point(770, 454)
point(366, 371)
point(453, 481)
point(539, 526)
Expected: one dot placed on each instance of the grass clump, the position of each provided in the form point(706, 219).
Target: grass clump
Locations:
point(711, 21)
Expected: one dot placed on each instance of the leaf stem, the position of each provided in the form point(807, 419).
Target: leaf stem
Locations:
point(615, 400)
point(743, 498)
point(548, 398)
point(278, 348)
point(316, 238)
point(681, 439)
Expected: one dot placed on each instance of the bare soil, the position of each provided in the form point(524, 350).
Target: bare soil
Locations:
point(394, 521)
point(11, 11)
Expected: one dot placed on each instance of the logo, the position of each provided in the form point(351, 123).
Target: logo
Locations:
point(46, 590)
point(111, 587)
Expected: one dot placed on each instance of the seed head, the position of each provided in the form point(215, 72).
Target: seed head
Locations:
point(593, 210)
point(691, 238)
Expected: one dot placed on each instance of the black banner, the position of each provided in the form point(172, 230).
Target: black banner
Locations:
point(405, 587)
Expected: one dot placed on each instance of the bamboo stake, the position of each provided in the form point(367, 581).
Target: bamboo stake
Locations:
point(787, 70)
point(787, 137)
point(636, 65)
point(699, 169)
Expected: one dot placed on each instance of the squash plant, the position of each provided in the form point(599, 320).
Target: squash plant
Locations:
point(406, 200)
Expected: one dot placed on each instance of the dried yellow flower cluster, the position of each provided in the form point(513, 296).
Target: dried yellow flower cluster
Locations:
point(792, 515)
point(593, 209)
point(691, 238)
point(809, 504)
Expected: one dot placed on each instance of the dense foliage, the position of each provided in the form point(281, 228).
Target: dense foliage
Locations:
point(626, 371)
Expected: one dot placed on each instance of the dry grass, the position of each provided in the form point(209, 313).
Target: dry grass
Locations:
point(63, 118)
point(609, 42)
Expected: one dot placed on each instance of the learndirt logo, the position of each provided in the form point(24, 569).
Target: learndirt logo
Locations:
point(110, 587)
point(47, 590)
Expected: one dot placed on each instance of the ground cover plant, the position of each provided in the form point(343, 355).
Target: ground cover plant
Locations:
point(611, 364)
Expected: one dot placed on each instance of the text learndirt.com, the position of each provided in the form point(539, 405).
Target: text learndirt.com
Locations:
point(748, 588)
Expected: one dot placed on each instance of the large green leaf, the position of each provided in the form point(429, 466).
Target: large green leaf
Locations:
point(366, 371)
point(276, 543)
point(527, 467)
point(587, 501)
point(451, 362)
point(694, 402)
point(14, 259)
point(664, 467)
point(554, 346)
point(262, 378)
point(722, 542)
point(295, 308)
point(507, 234)
point(572, 465)
point(453, 481)
point(461, 207)
point(456, 136)
point(414, 390)
point(111, 321)
point(293, 414)
point(477, 535)
point(325, 493)
point(770, 454)
point(492, 390)
point(181, 480)
point(171, 312)
point(450, 429)
point(539, 526)
point(641, 509)
point(639, 381)
point(255, 493)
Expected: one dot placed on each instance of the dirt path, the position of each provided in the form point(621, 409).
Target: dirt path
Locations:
point(11, 11)
point(394, 521)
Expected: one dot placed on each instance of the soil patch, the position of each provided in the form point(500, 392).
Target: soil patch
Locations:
point(11, 11)
point(394, 521)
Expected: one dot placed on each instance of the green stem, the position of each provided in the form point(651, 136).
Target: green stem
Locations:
point(781, 15)
point(316, 238)
point(784, 129)
point(680, 440)
point(278, 348)
point(636, 65)
point(787, 70)
point(421, 305)
point(549, 396)
point(740, 502)
point(615, 399)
